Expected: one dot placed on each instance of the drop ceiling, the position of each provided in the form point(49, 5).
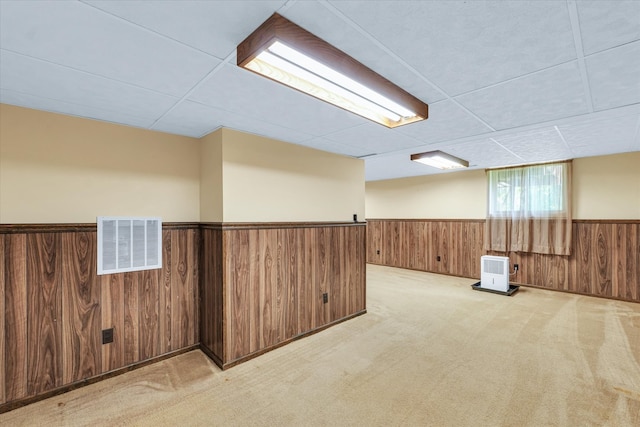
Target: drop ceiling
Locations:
point(507, 82)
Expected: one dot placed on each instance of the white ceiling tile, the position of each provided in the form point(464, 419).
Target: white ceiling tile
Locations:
point(335, 147)
point(550, 94)
point(90, 40)
point(191, 119)
point(597, 137)
point(458, 44)
point(242, 92)
point(215, 27)
point(61, 107)
point(45, 80)
point(605, 24)
point(199, 119)
point(482, 152)
point(614, 76)
point(319, 20)
point(446, 121)
point(395, 166)
point(536, 146)
point(373, 138)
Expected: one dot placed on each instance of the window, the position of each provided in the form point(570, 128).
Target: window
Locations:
point(538, 191)
point(529, 209)
point(129, 244)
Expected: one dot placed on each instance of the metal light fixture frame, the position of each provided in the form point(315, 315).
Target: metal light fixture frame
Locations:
point(279, 29)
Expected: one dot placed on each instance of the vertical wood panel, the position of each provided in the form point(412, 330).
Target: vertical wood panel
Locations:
point(323, 274)
point(361, 271)
point(305, 280)
point(112, 311)
point(582, 255)
point(350, 258)
point(15, 279)
point(164, 295)
point(148, 319)
point(631, 288)
point(183, 264)
point(237, 270)
point(3, 383)
point(82, 355)
point(211, 287)
point(268, 287)
point(44, 324)
point(334, 277)
point(287, 283)
point(254, 313)
point(601, 260)
point(374, 237)
point(131, 325)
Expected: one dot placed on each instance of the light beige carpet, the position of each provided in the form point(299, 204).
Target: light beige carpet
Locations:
point(430, 352)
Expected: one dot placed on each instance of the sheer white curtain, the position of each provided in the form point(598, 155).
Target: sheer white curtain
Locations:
point(529, 209)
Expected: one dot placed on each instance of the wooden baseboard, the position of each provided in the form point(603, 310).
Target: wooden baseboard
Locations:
point(242, 359)
point(73, 386)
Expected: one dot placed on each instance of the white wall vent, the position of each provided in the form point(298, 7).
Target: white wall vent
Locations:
point(129, 244)
point(494, 273)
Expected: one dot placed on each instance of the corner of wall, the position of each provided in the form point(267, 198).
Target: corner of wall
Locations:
point(211, 191)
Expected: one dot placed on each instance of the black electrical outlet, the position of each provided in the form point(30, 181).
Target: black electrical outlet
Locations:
point(438, 258)
point(107, 336)
point(355, 217)
point(516, 267)
point(325, 298)
point(377, 251)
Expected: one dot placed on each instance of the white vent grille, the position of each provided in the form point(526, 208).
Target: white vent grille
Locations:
point(129, 244)
point(493, 266)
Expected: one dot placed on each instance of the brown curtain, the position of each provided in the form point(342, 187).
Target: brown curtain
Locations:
point(528, 228)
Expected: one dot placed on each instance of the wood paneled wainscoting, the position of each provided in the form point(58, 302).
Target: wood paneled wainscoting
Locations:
point(605, 258)
point(53, 307)
point(263, 284)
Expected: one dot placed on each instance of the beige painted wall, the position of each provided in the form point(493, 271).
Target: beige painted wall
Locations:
point(211, 177)
point(604, 187)
point(61, 169)
point(607, 187)
point(443, 196)
point(269, 180)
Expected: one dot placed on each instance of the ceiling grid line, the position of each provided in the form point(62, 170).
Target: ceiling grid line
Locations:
point(564, 141)
point(577, 39)
point(506, 149)
point(142, 27)
point(195, 87)
point(88, 73)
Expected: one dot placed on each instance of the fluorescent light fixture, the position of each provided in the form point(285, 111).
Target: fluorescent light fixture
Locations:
point(440, 160)
point(288, 54)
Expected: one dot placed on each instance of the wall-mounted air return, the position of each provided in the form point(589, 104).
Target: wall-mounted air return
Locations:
point(129, 244)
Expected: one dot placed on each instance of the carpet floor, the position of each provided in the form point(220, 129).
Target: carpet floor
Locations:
point(429, 352)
